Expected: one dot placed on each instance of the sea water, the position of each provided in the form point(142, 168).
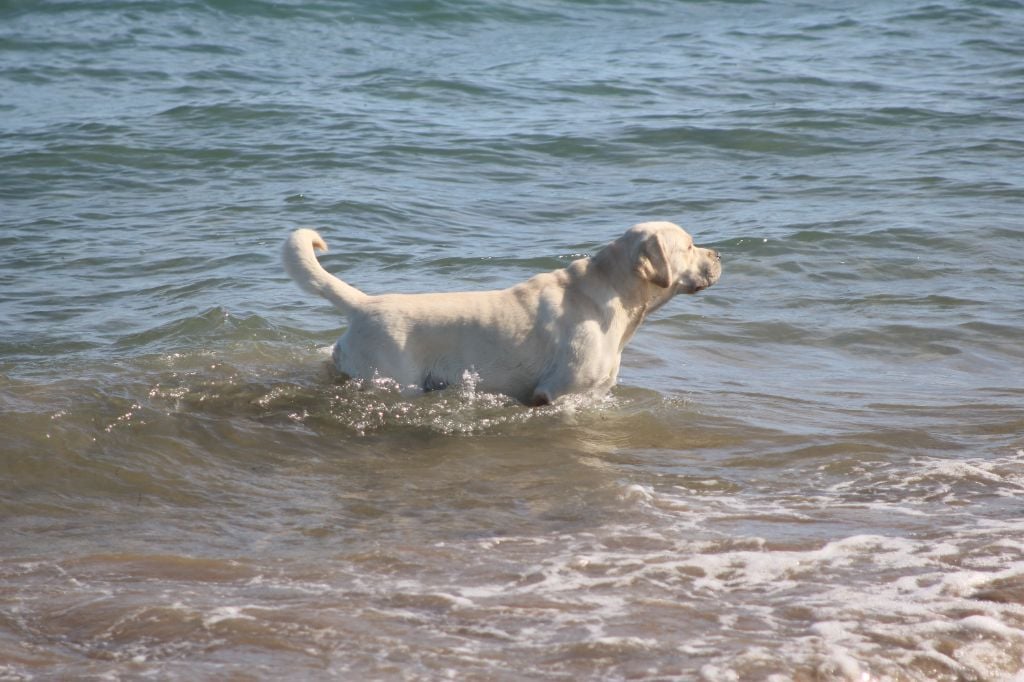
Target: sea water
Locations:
point(813, 470)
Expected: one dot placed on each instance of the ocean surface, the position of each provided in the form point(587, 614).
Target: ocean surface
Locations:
point(812, 471)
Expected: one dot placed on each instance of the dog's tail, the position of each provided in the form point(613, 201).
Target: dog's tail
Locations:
point(301, 263)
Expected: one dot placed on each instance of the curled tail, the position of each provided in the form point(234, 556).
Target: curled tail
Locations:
point(301, 263)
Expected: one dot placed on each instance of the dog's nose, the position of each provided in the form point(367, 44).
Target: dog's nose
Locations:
point(715, 254)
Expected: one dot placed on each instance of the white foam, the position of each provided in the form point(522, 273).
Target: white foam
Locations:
point(862, 588)
point(636, 492)
point(223, 613)
point(990, 626)
point(867, 603)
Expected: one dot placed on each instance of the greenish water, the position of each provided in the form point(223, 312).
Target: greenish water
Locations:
point(813, 470)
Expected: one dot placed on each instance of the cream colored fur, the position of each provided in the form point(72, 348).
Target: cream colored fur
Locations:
point(557, 333)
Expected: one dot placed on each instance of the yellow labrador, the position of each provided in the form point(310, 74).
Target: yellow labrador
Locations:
point(555, 334)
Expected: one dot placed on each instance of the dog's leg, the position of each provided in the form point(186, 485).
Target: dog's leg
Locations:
point(540, 399)
point(432, 383)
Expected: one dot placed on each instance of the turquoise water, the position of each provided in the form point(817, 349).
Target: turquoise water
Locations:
point(813, 470)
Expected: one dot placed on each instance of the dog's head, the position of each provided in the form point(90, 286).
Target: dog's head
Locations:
point(665, 256)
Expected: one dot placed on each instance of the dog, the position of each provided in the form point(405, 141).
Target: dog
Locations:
point(556, 334)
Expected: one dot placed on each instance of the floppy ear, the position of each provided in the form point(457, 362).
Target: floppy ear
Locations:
point(652, 262)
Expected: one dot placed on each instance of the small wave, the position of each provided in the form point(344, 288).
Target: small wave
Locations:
point(837, 600)
point(218, 115)
point(736, 140)
point(359, 407)
point(209, 327)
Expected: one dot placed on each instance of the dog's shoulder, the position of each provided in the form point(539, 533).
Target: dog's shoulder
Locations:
point(563, 278)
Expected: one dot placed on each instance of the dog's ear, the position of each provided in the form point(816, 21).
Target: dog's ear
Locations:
point(652, 262)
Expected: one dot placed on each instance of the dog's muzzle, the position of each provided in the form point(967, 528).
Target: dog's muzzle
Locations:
point(710, 271)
